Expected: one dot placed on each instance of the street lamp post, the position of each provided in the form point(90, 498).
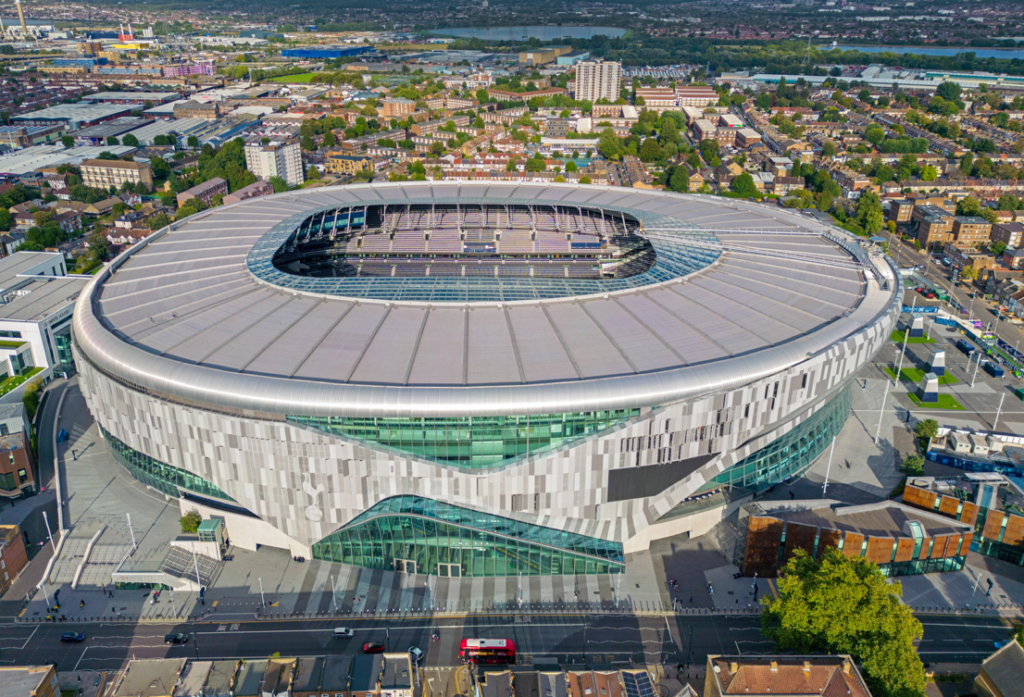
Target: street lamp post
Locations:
point(881, 412)
point(998, 411)
point(50, 534)
point(263, 599)
point(334, 594)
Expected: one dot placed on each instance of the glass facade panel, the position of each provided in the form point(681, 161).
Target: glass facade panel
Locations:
point(432, 533)
point(164, 478)
point(790, 455)
point(477, 442)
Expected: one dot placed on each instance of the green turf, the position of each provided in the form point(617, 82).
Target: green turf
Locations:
point(915, 375)
point(11, 344)
point(897, 336)
point(16, 381)
point(301, 77)
point(945, 402)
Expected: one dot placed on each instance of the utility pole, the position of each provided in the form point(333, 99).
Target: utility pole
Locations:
point(50, 534)
point(263, 599)
point(976, 364)
point(334, 594)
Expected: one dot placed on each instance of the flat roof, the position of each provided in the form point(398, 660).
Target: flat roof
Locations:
point(137, 96)
point(75, 113)
point(114, 127)
point(883, 519)
point(39, 156)
point(20, 262)
point(22, 680)
point(151, 677)
point(41, 298)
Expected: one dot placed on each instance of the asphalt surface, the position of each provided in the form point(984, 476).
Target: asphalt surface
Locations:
point(573, 639)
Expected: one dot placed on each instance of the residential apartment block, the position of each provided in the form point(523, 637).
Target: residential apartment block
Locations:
point(103, 174)
point(205, 191)
point(598, 80)
point(276, 159)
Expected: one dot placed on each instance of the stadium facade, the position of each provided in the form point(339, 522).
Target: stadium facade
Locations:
point(481, 379)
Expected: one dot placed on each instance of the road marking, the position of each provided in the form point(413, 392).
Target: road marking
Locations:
point(24, 643)
point(1000, 627)
point(222, 628)
point(475, 626)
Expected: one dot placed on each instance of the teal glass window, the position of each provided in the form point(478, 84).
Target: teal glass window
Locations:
point(163, 477)
point(791, 454)
point(476, 442)
point(419, 535)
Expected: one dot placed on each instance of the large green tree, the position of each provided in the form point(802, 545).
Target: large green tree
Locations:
point(842, 604)
point(869, 212)
point(744, 185)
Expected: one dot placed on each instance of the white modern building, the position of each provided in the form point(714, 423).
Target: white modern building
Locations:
point(37, 298)
point(278, 158)
point(598, 80)
point(478, 379)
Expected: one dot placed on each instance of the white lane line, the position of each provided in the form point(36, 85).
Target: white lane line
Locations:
point(24, 643)
point(425, 626)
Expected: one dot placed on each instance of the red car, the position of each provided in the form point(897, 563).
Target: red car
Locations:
point(373, 647)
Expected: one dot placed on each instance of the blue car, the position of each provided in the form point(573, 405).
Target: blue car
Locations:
point(72, 637)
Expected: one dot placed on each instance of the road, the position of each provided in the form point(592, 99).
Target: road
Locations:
point(981, 309)
point(573, 639)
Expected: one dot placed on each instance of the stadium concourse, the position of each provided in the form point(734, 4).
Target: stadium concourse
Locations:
point(478, 380)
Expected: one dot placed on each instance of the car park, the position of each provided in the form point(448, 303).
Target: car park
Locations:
point(72, 637)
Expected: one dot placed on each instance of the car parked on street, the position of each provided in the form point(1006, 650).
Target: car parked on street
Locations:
point(179, 638)
point(72, 637)
point(373, 647)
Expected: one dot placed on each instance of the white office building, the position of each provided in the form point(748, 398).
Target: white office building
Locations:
point(36, 301)
point(598, 80)
point(276, 159)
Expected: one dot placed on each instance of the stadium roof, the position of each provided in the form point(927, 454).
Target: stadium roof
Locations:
point(182, 314)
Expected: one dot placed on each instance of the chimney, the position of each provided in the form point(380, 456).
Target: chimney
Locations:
point(846, 666)
point(807, 667)
point(775, 666)
point(734, 667)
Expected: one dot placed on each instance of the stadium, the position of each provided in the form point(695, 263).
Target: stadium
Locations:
point(480, 379)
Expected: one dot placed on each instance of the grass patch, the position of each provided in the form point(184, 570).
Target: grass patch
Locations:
point(916, 375)
point(300, 78)
point(898, 336)
point(13, 383)
point(945, 402)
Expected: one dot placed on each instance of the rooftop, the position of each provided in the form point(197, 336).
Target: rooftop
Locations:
point(397, 672)
point(23, 680)
point(883, 519)
point(1001, 672)
point(817, 676)
point(74, 113)
point(41, 297)
point(152, 677)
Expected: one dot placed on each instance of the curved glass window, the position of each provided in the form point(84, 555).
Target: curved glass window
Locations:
point(476, 442)
point(791, 454)
point(420, 535)
point(163, 477)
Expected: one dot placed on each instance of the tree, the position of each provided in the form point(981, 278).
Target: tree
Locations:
point(279, 184)
point(950, 91)
point(67, 141)
point(193, 142)
point(874, 134)
point(650, 150)
point(969, 273)
point(130, 140)
point(968, 206)
point(191, 521)
point(927, 429)
point(838, 604)
point(914, 465)
point(744, 185)
point(585, 179)
point(967, 164)
point(828, 149)
point(929, 173)
point(570, 166)
point(869, 212)
point(679, 180)
point(997, 248)
point(610, 145)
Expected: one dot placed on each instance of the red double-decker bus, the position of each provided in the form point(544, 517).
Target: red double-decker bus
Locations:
point(487, 651)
